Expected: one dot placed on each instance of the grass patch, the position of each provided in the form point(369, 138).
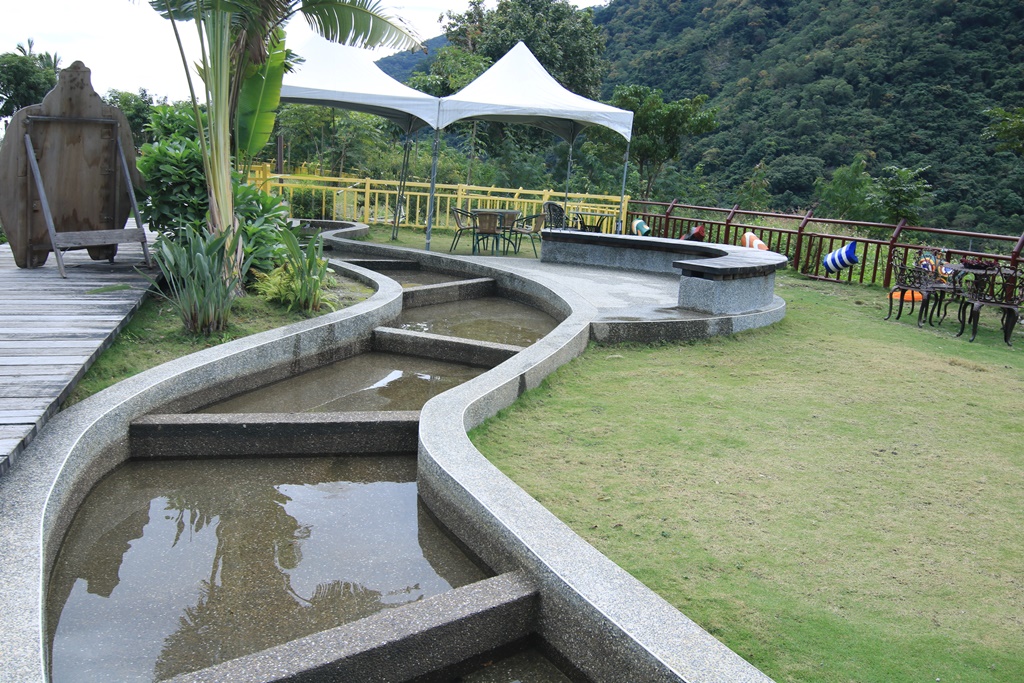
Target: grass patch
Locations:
point(836, 497)
point(440, 241)
point(156, 335)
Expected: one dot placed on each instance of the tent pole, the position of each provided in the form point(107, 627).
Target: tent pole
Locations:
point(568, 172)
point(400, 201)
point(433, 183)
point(622, 197)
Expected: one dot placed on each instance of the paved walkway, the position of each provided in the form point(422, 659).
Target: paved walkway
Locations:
point(618, 295)
point(51, 331)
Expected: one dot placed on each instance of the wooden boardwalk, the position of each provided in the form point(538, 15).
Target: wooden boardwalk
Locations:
point(52, 329)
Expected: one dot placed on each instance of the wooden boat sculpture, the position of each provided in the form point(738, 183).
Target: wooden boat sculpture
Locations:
point(67, 167)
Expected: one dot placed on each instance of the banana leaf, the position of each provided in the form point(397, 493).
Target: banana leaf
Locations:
point(259, 98)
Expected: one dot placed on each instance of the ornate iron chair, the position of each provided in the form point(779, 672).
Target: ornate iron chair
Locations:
point(1002, 287)
point(554, 216)
point(907, 279)
point(939, 285)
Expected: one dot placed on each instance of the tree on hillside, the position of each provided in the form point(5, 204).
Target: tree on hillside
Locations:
point(563, 38)
point(845, 195)
point(909, 81)
point(900, 194)
point(22, 82)
point(1007, 128)
point(660, 128)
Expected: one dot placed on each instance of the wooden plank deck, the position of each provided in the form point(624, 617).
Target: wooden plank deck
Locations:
point(52, 329)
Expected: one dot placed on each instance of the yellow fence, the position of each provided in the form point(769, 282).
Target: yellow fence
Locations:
point(375, 201)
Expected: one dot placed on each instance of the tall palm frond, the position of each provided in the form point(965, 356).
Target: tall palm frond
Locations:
point(360, 23)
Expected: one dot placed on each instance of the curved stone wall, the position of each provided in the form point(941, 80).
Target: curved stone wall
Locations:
point(602, 620)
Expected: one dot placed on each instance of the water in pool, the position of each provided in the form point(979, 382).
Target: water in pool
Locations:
point(369, 381)
point(491, 319)
point(170, 567)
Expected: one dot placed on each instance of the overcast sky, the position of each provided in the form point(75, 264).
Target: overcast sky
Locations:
point(128, 46)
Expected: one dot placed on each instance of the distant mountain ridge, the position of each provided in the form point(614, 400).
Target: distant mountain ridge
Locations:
point(402, 65)
point(804, 86)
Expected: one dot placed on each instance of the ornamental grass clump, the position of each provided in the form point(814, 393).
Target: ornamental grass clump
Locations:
point(299, 282)
point(197, 282)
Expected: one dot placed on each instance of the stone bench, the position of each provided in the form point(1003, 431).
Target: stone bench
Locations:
point(719, 279)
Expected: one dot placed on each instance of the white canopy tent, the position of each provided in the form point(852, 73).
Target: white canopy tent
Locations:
point(517, 89)
point(369, 90)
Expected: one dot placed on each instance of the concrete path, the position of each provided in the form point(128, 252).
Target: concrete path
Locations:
point(618, 295)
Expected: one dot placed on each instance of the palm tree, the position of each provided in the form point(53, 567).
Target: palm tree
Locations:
point(45, 60)
point(234, 34)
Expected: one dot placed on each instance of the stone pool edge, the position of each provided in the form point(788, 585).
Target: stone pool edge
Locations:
point(80, 445)
point(589, 606)
point(605, 622)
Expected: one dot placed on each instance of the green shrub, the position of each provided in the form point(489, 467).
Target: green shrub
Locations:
point(196, 283)
point(176, 184)
point(312, 203)
point(173, 168)
point(299, 282)
point(262, 219)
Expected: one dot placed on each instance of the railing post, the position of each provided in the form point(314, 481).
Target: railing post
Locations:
point(460, 196)
point(668, 213)
point(888, 262)
point(1015, 254)
point(800, 238)
point(728, 224)
point(366, 202)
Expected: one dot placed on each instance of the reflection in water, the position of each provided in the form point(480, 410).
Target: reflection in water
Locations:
point(491, 319)
point(369, 381)
point(172, 567)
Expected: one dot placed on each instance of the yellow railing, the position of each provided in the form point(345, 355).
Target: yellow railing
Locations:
point(375, 201)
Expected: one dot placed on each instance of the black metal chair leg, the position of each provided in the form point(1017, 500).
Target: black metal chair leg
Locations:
point(923, 313)
point(1010, 318)
point(961, 316)
point(975, 317)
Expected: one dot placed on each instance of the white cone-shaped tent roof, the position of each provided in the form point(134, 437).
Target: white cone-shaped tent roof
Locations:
point(517, 89)
point(362, 86)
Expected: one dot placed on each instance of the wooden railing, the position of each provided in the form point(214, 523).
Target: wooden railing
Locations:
point(806, 240)
point(375, 201)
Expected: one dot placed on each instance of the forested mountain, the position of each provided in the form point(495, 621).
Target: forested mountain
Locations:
point(402, 64)
point(803, 86)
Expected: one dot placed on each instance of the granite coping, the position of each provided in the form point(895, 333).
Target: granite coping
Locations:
point(699, 259)
point(601, 619)
point(80, 445)
point(397, 644)
point(592, 612)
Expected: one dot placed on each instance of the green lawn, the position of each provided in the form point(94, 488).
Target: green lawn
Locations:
point(836, 497)
point(155, 334)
